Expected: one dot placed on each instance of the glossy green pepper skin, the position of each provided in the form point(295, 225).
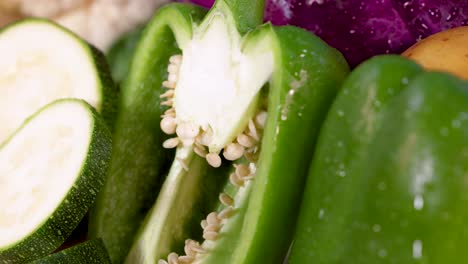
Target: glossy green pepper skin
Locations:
point(121, 52)
point(307, 75)
point(388, 179)
point(263, 232)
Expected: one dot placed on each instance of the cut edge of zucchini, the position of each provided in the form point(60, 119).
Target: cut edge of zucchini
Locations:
point(51, 168)
point(48, 63)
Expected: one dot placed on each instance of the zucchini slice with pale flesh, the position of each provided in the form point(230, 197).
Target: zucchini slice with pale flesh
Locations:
point(51, 170)
point(42, 62)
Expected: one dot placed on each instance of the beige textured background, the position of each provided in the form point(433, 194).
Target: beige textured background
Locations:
point(98, 21)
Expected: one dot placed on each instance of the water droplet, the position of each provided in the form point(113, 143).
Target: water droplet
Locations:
point(376, 228)
point(382, 253)
point(340, 113)
point(382, 186)
point(456, 123)
point(418, 202)
point(444, 131)
point(453, 14)
point(352, 31)
point(417, 249)
point(321, 213)
point(341, 170)
point(463, 115)
point(404, 80)
point(377, 103)
point(448, 18)
point(339, 144)
point(434, 15)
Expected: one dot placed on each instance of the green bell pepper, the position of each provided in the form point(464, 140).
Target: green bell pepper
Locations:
point(121, 52)
point(244, 103)
point(388, 179)
point(89, 252)
point(138, 163)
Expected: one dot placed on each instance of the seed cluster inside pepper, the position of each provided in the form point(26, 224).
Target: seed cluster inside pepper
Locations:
point(190, 134)
point(245, 145)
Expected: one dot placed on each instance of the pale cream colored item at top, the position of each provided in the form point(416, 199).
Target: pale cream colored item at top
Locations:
point(100, 22)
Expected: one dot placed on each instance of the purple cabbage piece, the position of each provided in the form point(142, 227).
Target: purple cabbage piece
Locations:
point(361, 29)
point(426, 17)
point(204, 3)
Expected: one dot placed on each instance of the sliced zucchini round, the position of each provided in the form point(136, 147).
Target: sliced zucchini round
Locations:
point(42, 62)
point(51, 170)
point(89, 252)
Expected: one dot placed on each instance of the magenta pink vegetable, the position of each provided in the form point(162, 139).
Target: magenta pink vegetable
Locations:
point(361, 29)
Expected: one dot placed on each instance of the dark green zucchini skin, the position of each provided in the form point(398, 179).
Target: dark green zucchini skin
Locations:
point(108, 91)
point(89, 252)
point(55, 230)
point(388, 182)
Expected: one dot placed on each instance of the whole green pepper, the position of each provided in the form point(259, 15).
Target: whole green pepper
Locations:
point(388, 180)
point(253, 94)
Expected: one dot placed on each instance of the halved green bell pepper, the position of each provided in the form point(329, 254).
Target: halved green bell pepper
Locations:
point(121, 52)
point(388, 180)
point(138, 163)
point(231, 66)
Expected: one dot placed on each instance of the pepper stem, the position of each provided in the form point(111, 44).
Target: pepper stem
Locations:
point(248, 14)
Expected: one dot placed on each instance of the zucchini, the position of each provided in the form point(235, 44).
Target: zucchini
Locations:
point(51, 170)
point(42, 62)
point(89, 252)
